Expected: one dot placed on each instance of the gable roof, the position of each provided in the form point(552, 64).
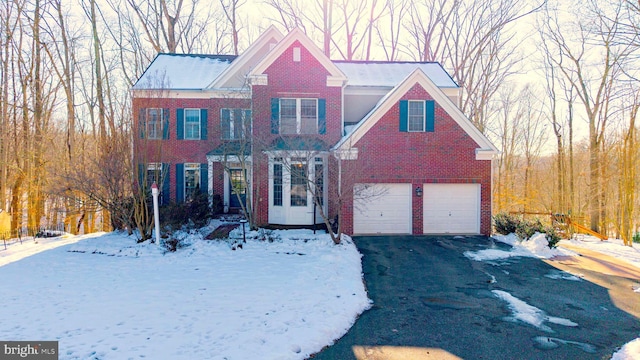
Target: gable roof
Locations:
point(236, 73)
point(485, 148)
point(390, 74)
point(293, 36)
point(182, 71)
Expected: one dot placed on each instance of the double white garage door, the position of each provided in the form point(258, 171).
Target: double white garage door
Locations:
point(387, 209)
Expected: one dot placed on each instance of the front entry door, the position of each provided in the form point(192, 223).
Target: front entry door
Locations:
point(237, 186)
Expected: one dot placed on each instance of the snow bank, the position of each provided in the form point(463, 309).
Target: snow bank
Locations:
point(537, 246)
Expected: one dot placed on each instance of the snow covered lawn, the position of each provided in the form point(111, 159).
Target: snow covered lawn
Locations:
point(105, 297)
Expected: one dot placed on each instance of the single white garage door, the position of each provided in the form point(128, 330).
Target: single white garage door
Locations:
point(382, 209)
point(451, 208)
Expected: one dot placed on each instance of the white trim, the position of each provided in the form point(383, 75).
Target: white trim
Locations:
point(228, 158)
point(266, 38)
point(298, 108)
point(335, 81)
point(286, 214)
point(209, 178)
point(193, 94)
point(261, 79)
point(184, 124)
point(346, 154)
point(485, 154)
point(420, 78)
point(293, 36)
point(367, 90)
point(424, 115)
point(226, 200)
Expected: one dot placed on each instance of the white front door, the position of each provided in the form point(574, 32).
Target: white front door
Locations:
point(451, 208)
point(290, 195)
point(382, 209)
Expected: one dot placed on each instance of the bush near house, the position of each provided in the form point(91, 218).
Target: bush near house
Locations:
point(505, 224)
point(194, 213)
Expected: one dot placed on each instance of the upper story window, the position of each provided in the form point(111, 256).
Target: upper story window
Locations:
point(298, 116)
point(235, 123)
point(192, 124)
point(417, 115)
point(154, 123)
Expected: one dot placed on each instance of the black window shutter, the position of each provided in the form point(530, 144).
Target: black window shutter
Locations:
point(322, 116)
point(165, 124)
point(430, 112)
point(166, 192)
point(180, 183)
point(180, 123)
point(142, 122)
point(404, 115)
point(203, 124)
point(275, 115)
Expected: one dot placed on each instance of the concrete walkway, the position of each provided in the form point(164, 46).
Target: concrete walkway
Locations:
point(431, 302)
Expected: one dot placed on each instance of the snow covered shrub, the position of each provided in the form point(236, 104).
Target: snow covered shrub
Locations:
point(636, 237)
point(526, 229)
point(552, 236)
point(505, 223)
point(268, 235)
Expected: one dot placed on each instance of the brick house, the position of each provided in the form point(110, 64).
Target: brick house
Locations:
point(297, 135)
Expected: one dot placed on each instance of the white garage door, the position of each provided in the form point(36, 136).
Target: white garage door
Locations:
point(451, 208)
point(382, 209)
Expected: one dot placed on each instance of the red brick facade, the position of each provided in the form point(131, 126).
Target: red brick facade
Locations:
point(290, 79)
point(447, 155)
point(385, 154)
point(173, 151)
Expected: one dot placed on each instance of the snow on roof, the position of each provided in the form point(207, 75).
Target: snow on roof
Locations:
point(391, 74)
point(180, 71)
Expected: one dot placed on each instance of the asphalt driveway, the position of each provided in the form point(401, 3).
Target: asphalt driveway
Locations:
point(431, 302)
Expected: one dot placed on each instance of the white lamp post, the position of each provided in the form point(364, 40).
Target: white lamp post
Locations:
point(156, 215)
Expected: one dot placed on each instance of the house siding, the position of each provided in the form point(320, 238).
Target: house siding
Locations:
point(447, 155)
point(179, 151)
point(385, 154)
point(290, 79)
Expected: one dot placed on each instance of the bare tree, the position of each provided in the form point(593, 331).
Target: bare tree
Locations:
point(593, 87)
point(231, 9)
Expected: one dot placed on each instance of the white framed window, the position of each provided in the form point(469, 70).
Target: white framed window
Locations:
point(154, 119)
point(191, 180)
point(277, 182)
point(416, 116)
point(298, 116)
point(192, 124)
point(235, 123)
point(298, 189)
